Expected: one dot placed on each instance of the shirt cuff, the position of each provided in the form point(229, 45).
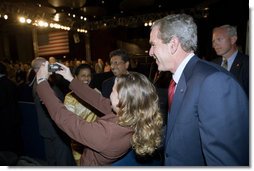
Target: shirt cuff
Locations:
point(40, 80)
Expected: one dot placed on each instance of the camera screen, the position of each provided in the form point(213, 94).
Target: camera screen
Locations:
point(54, 67)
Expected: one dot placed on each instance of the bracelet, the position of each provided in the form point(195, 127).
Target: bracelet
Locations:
point(40, 80)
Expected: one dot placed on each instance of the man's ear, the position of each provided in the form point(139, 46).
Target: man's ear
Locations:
point(233, 39)
point(173, 45)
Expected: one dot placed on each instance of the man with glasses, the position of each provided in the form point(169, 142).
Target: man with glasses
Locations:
point(119, 63)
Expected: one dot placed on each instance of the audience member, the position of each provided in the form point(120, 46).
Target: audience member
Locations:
point(224, 43)
point(52, 60)
point(208, 121)
point(119, 62)
point(20, 74)
point(136, 123)
point(99, 66)
point(76, 105)
point(107, 67)
point(10, 122)
point(57, 143)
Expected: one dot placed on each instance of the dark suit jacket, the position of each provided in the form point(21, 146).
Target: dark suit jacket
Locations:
point(98, 78)
point(57, 143)
point(240, 69)
point(47, 127)
point(107, 86)
point(209, 119)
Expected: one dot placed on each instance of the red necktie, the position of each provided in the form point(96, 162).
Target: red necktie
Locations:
point(171, 92)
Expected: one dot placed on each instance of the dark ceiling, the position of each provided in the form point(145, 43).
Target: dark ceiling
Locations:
point(96, 10)
point(104, 7)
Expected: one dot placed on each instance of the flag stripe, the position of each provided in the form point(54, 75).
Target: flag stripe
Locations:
point(55, 52)
point(54, 49)
point(57, 44)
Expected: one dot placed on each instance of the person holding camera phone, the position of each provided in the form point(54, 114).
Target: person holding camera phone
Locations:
point(135, 120)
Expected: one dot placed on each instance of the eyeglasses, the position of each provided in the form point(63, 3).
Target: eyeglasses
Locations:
point(116, 63)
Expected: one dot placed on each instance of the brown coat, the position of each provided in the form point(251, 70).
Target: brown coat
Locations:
point(104, 139)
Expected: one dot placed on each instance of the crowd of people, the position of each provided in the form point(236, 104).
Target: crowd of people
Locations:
point(194, 112)
point(22, 72)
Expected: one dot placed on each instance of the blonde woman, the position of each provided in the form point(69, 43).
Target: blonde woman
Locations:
point(134, 122)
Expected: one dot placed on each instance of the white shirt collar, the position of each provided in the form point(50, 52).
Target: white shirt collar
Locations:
point(176, 76)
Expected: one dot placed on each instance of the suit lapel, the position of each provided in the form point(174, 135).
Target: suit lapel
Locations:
point(176, 105)
point(179, 95)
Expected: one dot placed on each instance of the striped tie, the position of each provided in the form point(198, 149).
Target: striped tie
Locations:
point(224, 63)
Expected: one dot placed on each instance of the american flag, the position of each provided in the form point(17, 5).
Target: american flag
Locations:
point(53, 43)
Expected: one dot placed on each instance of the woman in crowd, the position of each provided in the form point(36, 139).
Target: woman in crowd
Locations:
point(73, 103)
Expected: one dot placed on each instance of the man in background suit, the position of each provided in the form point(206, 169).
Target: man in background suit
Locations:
point(208, 121)
point(119, 63)
point(57, 143)
point(224, 43)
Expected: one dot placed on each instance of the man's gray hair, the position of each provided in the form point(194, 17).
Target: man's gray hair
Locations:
point(36, 63)
point(231, 30)
point(181, 26)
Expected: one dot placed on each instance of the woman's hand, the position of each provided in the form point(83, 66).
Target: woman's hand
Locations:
point(65, 72)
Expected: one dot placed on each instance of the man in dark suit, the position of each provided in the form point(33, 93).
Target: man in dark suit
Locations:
point(224, 43)
point(208, 121)
point(119, 63)
point(57, 143)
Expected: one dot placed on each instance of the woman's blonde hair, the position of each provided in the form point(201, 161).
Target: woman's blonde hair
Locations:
point(139, 109)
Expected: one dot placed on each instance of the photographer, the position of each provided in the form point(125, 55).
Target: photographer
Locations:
point(131, 117)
